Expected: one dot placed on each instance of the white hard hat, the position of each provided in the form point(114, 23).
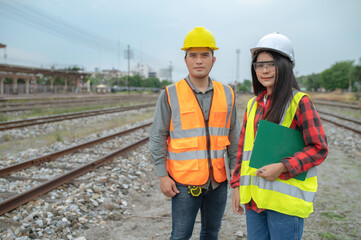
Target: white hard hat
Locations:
point(275, 42)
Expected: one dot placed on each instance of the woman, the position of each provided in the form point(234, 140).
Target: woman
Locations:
point(277, 203)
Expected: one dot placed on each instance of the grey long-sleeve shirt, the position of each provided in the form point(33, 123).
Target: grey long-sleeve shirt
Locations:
point(160, 131)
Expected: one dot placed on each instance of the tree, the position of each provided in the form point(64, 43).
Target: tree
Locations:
point(151, 82)
point(245, 86)
point(135, 81)
point(311, 82)
point(95, 80)
point(337, 76)
point(356, 76)
point(165, 83)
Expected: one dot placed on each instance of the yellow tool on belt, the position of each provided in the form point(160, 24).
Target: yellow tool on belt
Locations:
point(195, 191)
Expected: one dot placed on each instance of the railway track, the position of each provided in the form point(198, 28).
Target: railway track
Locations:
point(345, 122)
point(61, 117)
point(41, 162)
point(27, 106)
point(338, 104)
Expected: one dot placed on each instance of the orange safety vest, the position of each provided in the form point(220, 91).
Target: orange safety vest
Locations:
point(196, 147)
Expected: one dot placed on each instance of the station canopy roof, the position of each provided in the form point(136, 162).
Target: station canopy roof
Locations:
point(15, 69)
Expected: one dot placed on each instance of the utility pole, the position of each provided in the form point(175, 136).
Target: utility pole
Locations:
point(349, 78)
point(100, 57)
point(118, 56)
point(238, 51)
point(4, 47)
point(128, 54)
point(170, 70)
point(128, 68)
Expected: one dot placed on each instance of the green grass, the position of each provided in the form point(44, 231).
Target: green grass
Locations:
point(327, 236)
point(39, 112)
point(335, 216)
point(3, 117)
point(58, 136)
point(348, 112)
point(71, 132)
point(7, 137)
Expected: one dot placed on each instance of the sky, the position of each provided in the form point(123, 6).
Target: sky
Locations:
point(95, 33)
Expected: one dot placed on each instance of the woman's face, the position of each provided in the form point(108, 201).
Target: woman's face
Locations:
point(265, 70)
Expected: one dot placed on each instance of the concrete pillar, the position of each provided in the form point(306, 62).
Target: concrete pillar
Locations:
point(77, 82)
point(27, 80)
point(2, 80)
point(65, 84)
point(72, 84)
point(52, 84)
point(15, 84)
point(33, 82)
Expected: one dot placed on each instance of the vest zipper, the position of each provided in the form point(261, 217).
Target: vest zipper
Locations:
point(207, 131)
point(209, 140)
point(209, 148)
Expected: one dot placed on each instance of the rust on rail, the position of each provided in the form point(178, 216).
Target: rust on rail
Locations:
point(22, 198)
point(61, 117)
point(52, 156)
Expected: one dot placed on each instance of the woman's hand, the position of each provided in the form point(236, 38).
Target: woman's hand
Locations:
point(272, 171)
point(237, 208)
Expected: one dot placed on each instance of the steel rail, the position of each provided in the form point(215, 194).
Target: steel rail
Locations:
point(54, 98)
point(340, 117)
point(61, 117)
point(16, 107)
point(52, 156)
point(337, 104)
point(62, 101)
point(22, 198)
point(47, 106)
point(341, 125)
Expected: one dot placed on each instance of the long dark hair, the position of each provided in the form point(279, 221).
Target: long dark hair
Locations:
point(285, 80)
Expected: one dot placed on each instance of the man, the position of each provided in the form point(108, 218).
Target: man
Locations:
point(195, 124)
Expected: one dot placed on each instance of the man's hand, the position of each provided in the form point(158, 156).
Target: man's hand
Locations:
point(235, 202)
point(167, 186)
point(272, 171)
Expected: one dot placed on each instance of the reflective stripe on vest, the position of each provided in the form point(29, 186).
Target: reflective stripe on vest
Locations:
point(293, 197)
point(189, 157)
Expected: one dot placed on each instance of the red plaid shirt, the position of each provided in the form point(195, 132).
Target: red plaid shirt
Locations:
point(308, 122)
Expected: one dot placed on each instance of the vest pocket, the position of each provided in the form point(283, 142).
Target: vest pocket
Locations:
point(186, 165)
point(218, 163)
point(219, 170)
point(183, 144)
point(223, 141)
point(219, 118)
point(189, 118)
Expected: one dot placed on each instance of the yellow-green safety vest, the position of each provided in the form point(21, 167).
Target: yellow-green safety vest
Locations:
point(292, 197)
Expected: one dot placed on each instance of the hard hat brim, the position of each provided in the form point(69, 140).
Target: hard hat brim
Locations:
point(187, 48)
point(260, 49)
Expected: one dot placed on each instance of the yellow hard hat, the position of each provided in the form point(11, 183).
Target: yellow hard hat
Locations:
point(199, 37)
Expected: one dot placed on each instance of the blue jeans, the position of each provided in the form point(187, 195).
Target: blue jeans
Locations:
point(185, 207)
point(273, 225)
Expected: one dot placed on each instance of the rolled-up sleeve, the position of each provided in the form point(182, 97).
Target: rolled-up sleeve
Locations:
point(316, 150)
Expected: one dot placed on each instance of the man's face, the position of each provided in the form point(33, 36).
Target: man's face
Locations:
point(199, 61)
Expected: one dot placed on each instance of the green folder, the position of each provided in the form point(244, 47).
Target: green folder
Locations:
point(274, 142)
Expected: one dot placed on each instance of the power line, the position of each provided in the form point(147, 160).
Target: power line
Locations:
point(35, 18)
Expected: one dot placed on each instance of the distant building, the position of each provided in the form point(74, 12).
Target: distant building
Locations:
point(165, 74)
point(109, 74)
point(143, 70)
